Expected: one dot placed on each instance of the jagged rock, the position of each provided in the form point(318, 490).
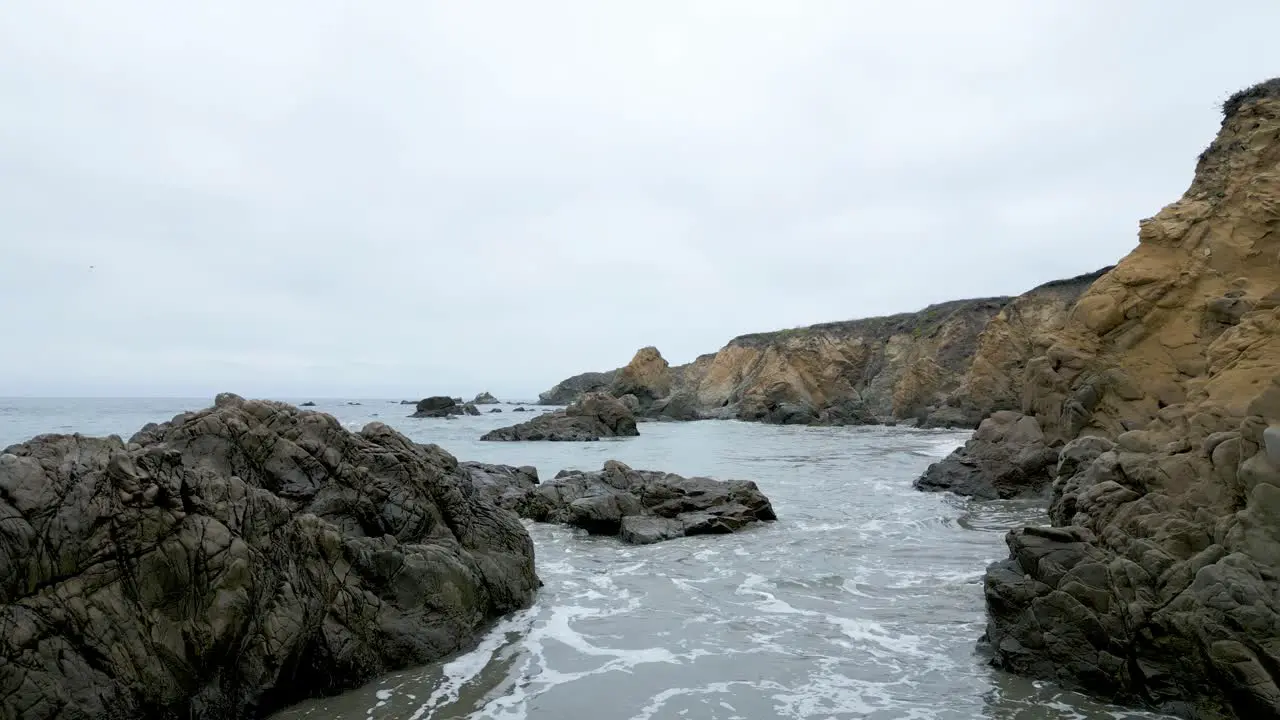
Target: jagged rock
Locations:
point(485, 398)
point(204, 567)
point(640, 506)
point(569, 390)
point(592, 417)
point(1005, 458)
point(1160, 580)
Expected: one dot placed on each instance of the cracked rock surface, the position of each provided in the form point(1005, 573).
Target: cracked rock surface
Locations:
point(235, 560)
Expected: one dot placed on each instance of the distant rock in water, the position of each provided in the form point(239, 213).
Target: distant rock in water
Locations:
point(236, 560)
point(569, 390)
point(485, 398)
point(440, 406)
point(307, 404)
point(638, 506)
point(1007, 457)
point(594, 416)
point(519, 409)
point(494, 410)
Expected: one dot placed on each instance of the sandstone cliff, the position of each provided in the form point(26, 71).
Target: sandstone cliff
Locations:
point(1160, 580)
point(949, 364)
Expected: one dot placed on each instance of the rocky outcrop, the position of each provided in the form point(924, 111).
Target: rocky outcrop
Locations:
point(1159, 581)
point(1007, 457)
point(647, 378)
point(594, 416)
point(485, 398)
point(236, 559)
point(439, 406)
point(569, 390)
point(638, 506)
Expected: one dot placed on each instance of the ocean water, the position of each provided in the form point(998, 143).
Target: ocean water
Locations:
point(864, 600)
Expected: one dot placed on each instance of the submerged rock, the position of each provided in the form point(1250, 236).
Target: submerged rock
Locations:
point(238, 559)
point(638, 506)
point(592, 417)
point(1007, 457)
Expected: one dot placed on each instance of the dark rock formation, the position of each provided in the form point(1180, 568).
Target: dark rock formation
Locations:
point(494, 410)
point(485, 398)
point(307, 404)
point(592, 417)
point(569, 390)
point(439, 406)
point(639, 506)
point(520, 409)
point(1006, 457)
point(235, 560)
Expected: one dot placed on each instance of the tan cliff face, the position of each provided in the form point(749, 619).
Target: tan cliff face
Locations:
point(949, 364)
point(1188, 315)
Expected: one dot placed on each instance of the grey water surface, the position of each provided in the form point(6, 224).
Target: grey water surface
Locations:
point(864, 600)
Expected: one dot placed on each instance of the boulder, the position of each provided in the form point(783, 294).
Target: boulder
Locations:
point(1007, 457)
point(592, 417)
point(485, 398)
point(238, 559)
point(307, 404)
point(639, 506)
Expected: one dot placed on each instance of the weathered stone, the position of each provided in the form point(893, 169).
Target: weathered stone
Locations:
point(204, 567)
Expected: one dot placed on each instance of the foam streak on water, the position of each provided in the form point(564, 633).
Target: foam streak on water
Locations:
point(863, 601)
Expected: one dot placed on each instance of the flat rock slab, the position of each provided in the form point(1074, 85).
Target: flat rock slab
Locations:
point(637, 506)
point(206, 566)
point(594, 416)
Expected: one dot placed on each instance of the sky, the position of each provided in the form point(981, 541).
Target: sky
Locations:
point(405, 198)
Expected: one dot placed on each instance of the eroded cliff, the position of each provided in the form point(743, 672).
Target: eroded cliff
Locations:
point(1160, 580)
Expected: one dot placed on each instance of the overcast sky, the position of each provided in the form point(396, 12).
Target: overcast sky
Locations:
point(395, 199)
